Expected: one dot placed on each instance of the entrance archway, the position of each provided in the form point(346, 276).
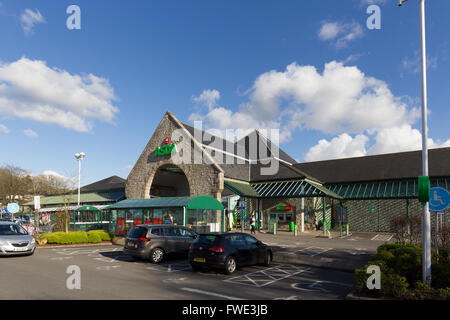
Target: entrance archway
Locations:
point(169, 181)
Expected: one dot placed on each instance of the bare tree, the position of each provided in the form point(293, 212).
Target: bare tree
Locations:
point(14, 184)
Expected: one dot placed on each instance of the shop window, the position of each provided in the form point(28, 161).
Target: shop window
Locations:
point(157, 216)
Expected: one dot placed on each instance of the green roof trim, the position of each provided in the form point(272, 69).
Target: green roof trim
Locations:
point(84, 198)
point(87, 208)
point(292, 189)
point(196, 203)
point(241, 188)
point(394, 189)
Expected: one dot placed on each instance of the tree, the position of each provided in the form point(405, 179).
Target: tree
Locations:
point(14, 184)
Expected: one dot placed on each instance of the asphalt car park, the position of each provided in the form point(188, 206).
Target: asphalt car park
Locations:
point(107, 273)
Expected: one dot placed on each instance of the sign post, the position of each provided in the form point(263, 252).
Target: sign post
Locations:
point(439, 201)
point(12, 208)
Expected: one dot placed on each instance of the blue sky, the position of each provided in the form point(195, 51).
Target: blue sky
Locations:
point(311, 68)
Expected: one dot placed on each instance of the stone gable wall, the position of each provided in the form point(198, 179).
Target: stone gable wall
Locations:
point(203, 178)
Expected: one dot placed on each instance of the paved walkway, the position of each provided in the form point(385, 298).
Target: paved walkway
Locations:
point(312, 249)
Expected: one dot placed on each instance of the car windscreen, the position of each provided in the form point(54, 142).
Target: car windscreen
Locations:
point(208, 240)
point(12, 230)
point(138, 232)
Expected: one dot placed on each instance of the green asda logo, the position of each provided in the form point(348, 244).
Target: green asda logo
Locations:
point(165, 150)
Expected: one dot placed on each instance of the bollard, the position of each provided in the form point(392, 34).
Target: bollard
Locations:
point(274, 228)
point(295, 230)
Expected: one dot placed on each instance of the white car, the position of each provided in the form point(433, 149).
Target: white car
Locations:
point(15, 240)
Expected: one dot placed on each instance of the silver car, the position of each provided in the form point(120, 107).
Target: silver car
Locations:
point(15, 240)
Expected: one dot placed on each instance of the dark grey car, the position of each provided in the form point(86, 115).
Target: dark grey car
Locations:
point(155, 241)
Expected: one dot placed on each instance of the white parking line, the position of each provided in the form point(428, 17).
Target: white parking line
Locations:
point(382, 237)
point(315, 253)
point(268, 276)
point(175, 267)
point(209, 293)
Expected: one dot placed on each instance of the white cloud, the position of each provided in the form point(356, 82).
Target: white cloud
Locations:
point(329, 31)
point(68, 181)
point(413, 65)
point(388, 140)
point(4, 129)
point(403, 138)
point(29, 19)
point(340, 33)
point(30, 133)
point(342, 146)
point(361, 112)
point(341, 99)
point(31, 90)
point(208, 98)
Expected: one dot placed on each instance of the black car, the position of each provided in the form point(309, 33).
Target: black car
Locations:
point(228, 251)
point(155, 241)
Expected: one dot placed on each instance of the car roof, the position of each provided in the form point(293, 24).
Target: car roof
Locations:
point(158, 225)
point(7, 222)
point(222, 233)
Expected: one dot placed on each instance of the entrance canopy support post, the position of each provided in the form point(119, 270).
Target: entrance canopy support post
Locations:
point(302, 219)
point(324, 211)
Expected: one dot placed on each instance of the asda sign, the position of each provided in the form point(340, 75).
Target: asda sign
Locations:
point(166, 149)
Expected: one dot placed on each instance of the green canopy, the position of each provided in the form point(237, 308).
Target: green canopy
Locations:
point(198, 203)
point(204, 203)
point(87, 208)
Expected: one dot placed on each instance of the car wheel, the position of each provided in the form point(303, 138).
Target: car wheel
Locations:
point(267, 259)
point(156, 255)
point(230, 265)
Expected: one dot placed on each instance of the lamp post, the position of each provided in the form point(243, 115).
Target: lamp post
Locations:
point(426, 228)
point(79, 156)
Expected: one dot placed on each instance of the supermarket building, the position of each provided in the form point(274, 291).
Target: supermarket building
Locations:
point(181, 163)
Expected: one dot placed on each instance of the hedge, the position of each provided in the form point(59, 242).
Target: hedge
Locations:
point(74, 237)
point(401, 274)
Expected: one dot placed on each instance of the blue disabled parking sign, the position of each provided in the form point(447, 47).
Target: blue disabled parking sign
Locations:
point(439, 199)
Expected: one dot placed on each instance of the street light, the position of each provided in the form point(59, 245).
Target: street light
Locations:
point(79, 156)
point(426, 229)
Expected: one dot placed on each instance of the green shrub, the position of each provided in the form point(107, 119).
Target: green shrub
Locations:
point(422, 291)
point(93, 238)
point(444, 294)
point(401, 273)
point(386, 256)
point(407, 262)
point(394, 285)
point(440, 273)
point(56, 237)
point(104, 235)
point(361, 277)
point(389, 247)
point(75, 237)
